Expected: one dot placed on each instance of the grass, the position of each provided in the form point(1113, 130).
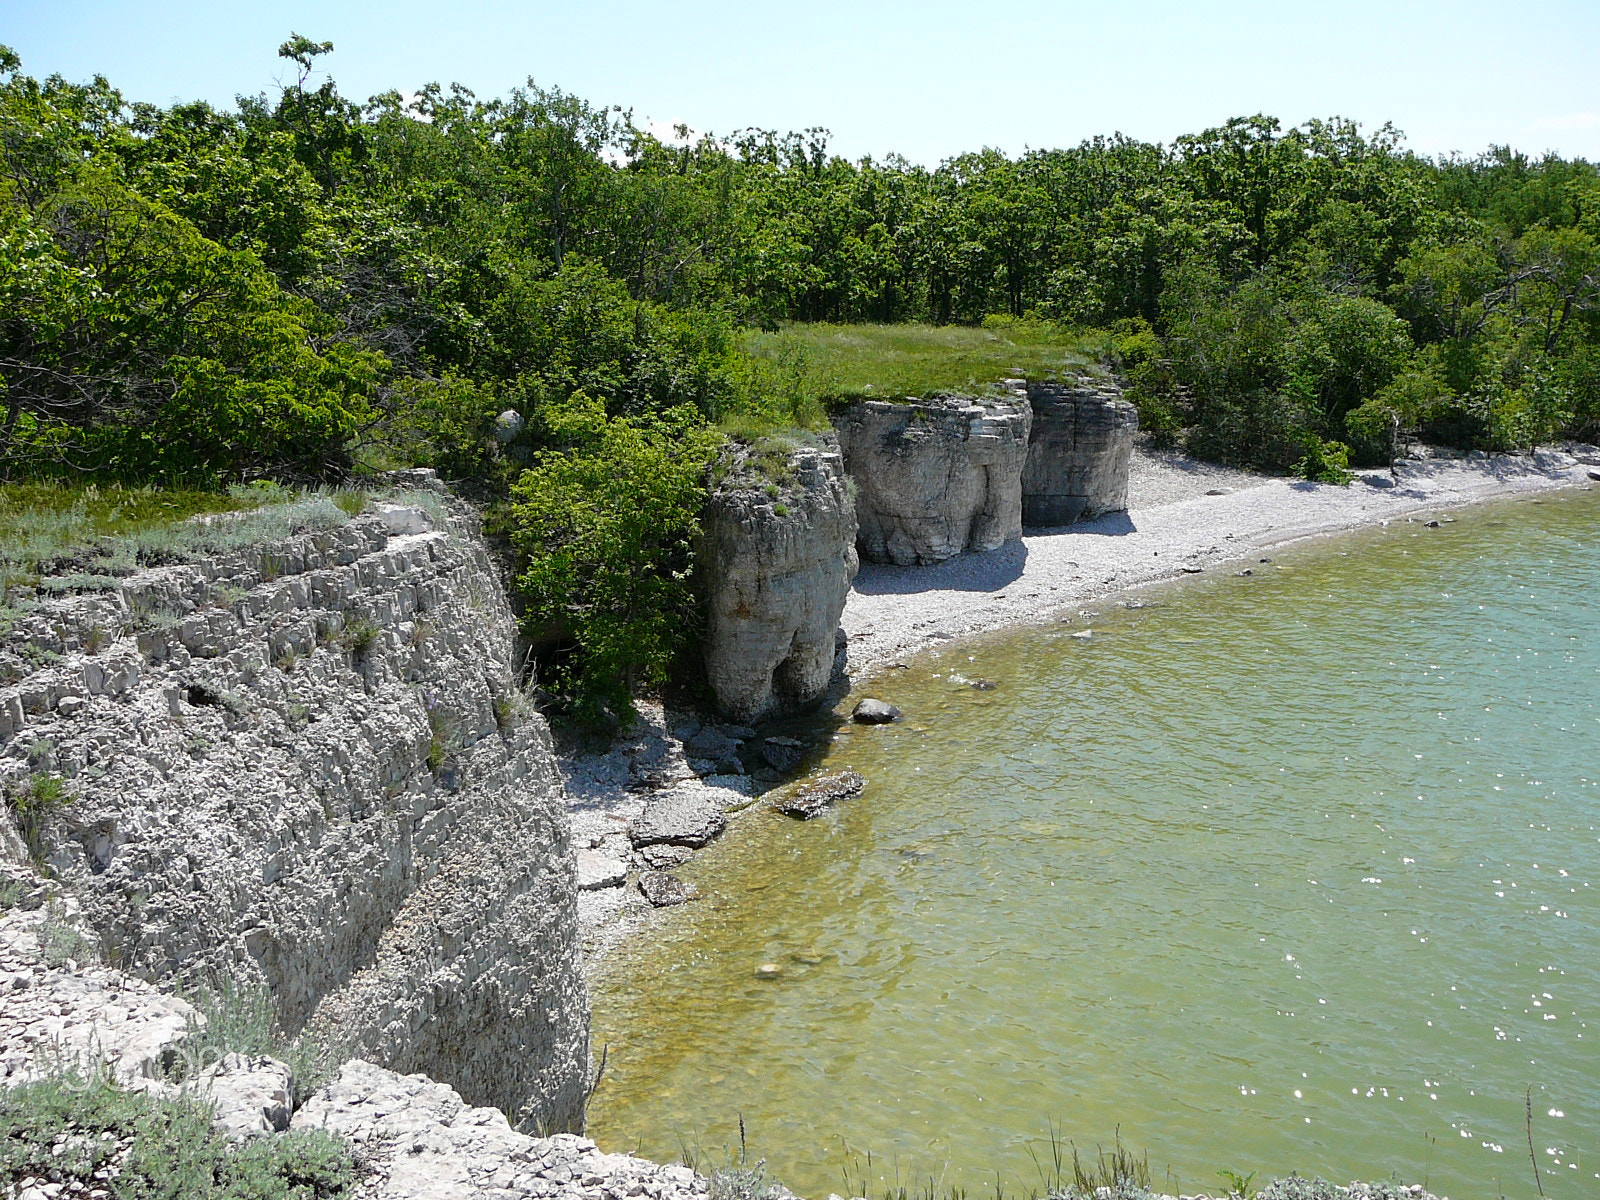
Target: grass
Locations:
point(61, 538)
point(809, 367)
point(238, 1018)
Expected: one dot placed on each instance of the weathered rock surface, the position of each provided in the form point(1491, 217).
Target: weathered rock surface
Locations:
point(776, 558)
point(1078, 452)
point(874, 712)
point(816, 797)
point(681, 817)
point(423, 1142)
point(664, 890)
point(252, 1093)
point(75, 1013)
point(936, 477)
point(309, 765)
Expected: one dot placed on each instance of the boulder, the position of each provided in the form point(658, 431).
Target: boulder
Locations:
point(663, 890)
point(777, 555)
point(783, 753)
point(816, 797)
point(252, 1094)
point(874, 712)
point(681, 817)
point(598, 870)
point(1079, 450)
point(508, 425)
point(936, 477)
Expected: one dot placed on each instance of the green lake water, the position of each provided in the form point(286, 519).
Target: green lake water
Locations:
point(1288, 872)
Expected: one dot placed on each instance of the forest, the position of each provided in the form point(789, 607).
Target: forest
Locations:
point(308, 288)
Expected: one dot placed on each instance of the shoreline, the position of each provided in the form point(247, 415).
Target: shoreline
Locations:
point(1185, 519)
point(896, 612)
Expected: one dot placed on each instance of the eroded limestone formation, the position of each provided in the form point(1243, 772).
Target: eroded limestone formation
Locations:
point(1078, 452)
point(777, 554)
point(308, 764)
point(935, 477)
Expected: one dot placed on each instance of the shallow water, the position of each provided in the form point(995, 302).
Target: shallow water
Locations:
point(1285, 872)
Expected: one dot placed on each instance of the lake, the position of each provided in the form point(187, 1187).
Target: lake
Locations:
point(1286, 871)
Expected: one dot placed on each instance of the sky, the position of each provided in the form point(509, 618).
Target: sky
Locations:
point(927, 80)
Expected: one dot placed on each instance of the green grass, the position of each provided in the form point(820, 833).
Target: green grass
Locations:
point(807, 367)
point(60, 538)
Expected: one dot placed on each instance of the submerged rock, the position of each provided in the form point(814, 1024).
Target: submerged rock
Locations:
point(936, 477)
point(777, 556)
point(664, 890)
point(816, 797)
point(874, 712)
point(1079, 450)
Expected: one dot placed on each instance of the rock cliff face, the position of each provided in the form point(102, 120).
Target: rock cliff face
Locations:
point(777, 556)
point(308, 764)
point(1078, 452)
point(936, 477)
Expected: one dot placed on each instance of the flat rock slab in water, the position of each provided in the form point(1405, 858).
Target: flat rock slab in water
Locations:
point(663, 890)
point(816, 797)
point(874, 712)
point(682, 817)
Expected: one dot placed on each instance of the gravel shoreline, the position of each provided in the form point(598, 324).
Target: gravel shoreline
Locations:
point(1184, 517)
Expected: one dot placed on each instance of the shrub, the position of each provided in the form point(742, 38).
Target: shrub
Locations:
point(174, 1149)
point(603, 532)
point(1324, 461)
point(31, 802)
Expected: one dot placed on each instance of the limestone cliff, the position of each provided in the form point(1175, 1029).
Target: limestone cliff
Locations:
point(776, 558)
point(1079, 452)
point(309, 764)
point(936, 477)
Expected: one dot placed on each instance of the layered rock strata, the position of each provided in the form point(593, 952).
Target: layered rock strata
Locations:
point(777, 555)
point(936, 477)
point(1079, 451)
point(309, 765)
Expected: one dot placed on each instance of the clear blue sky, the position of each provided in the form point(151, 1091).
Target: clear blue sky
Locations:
point(927, 79)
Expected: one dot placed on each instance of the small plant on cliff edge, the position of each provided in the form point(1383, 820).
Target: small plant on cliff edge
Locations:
point(1238, 1185)
point(239, 1018)
point(743, 1180)
point(359, 637)
point(30, 802)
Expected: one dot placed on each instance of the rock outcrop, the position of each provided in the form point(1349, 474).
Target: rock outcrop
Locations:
point(309, 765)
point(421, 1141)
point(1078, 452)
point(777, 555)
point(936, 477)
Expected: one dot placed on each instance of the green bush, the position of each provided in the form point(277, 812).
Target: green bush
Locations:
point(603, 531)
point(175, 1154)
point(1324, 461)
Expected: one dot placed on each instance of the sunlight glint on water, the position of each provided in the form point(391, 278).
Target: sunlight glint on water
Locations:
point(1287, 872)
